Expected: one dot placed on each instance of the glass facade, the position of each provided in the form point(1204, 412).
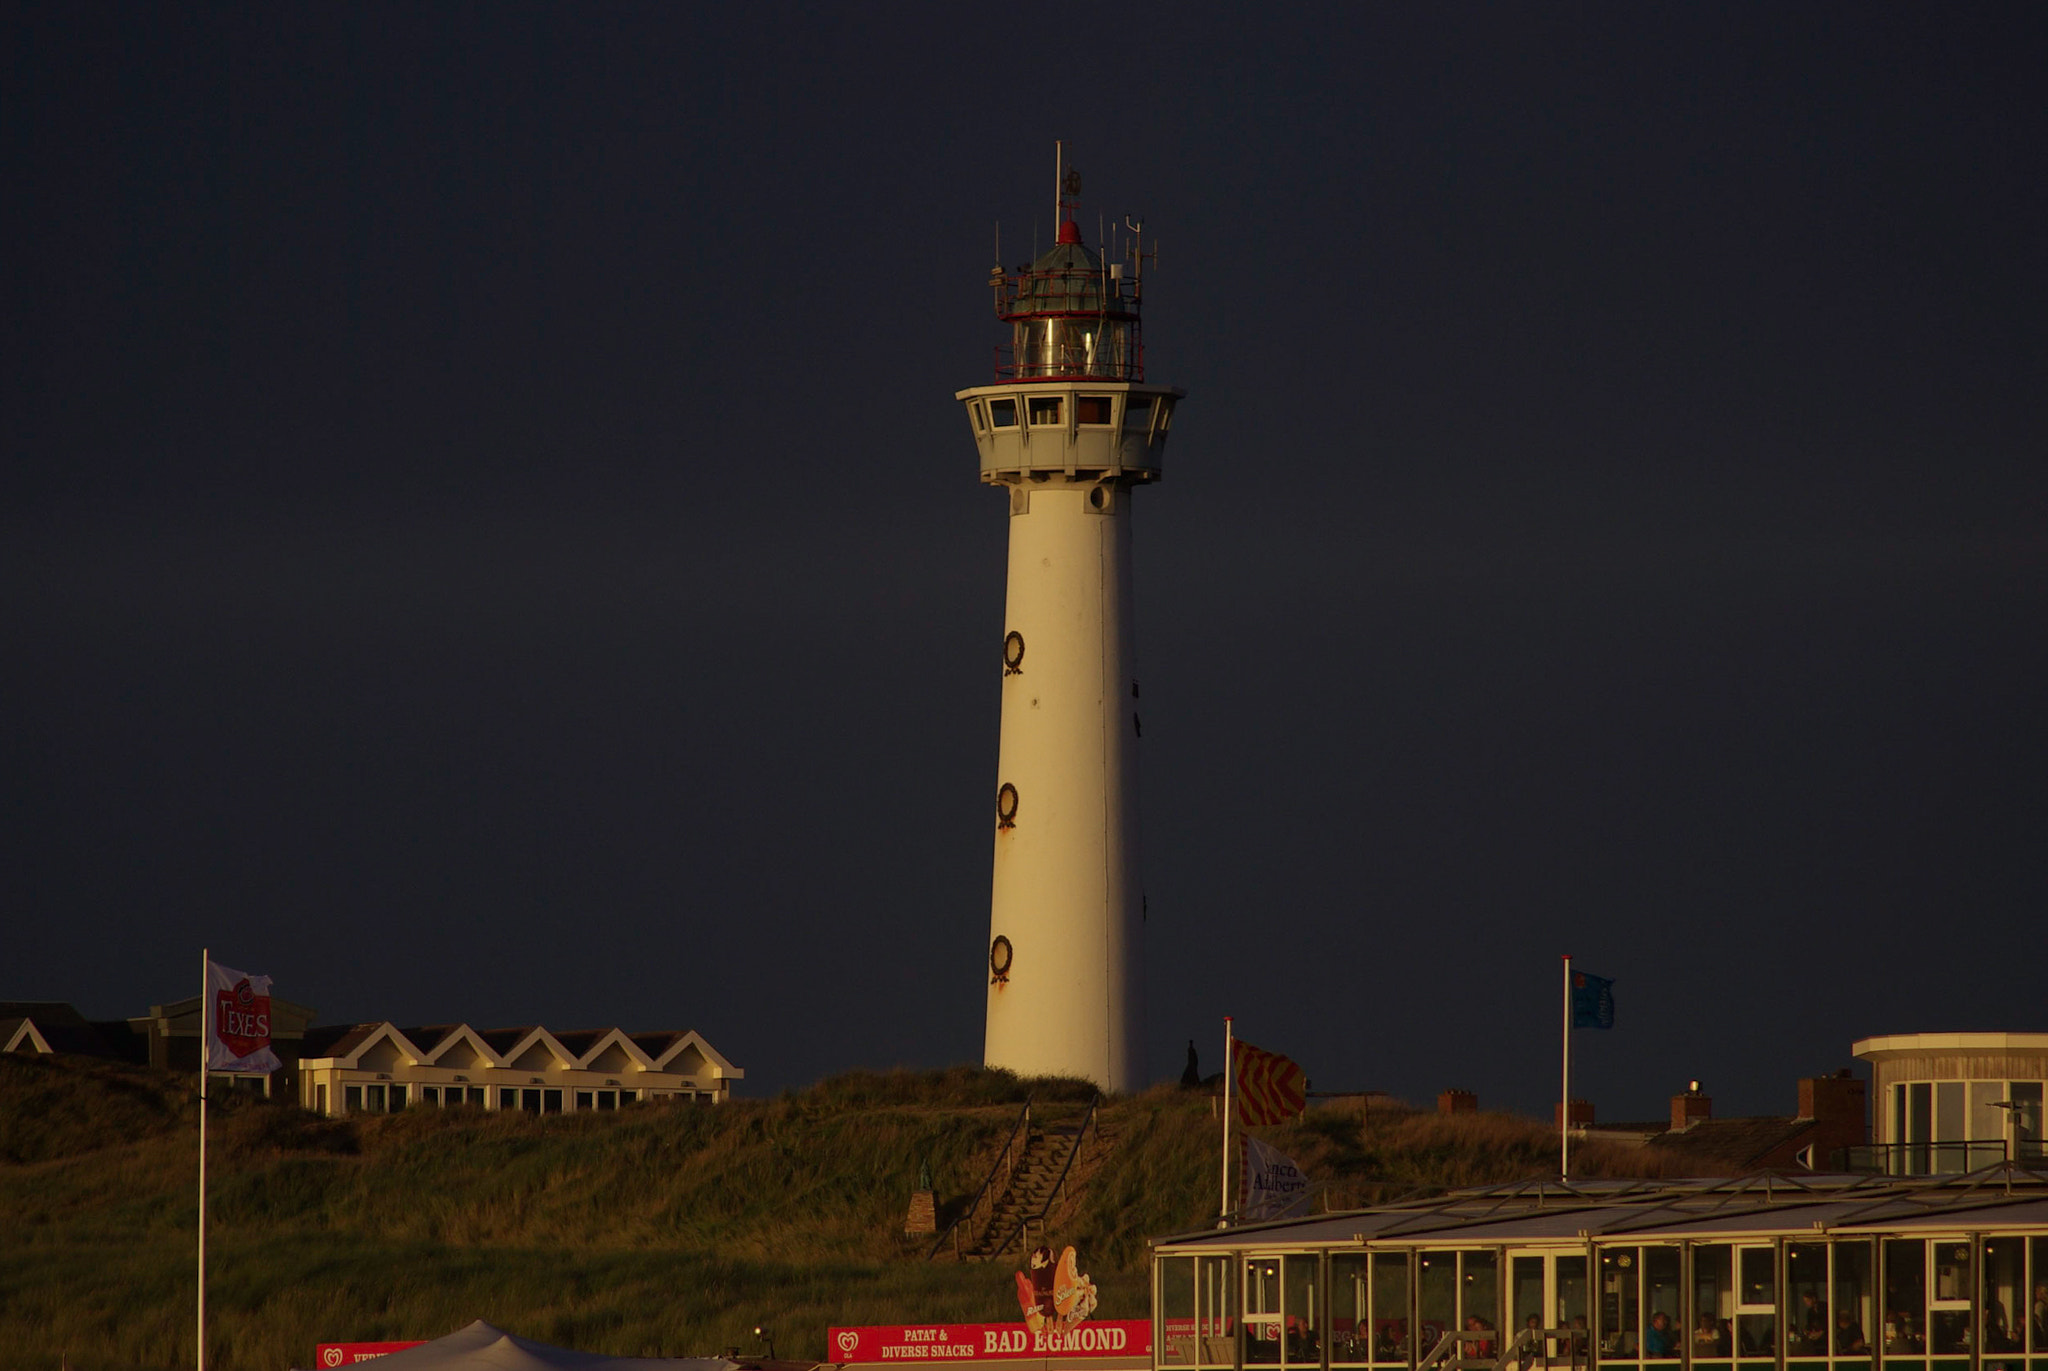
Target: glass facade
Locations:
point(1949, 1127)
point(1800, 1300)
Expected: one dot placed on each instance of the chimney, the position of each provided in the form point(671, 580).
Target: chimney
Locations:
point(1690, 1108)
point(1457, 1102)
point(1581, 1114)
point(1835, 1105)
point(1836, 1099)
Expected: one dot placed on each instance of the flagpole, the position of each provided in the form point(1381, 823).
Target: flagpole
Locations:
point(1223, 1213)
point(1564, 1108)
point(205, 1021)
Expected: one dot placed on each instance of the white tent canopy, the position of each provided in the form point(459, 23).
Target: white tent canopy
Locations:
point(480, 1347)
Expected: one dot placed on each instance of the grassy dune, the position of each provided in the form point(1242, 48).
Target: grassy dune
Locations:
point(648, 1231)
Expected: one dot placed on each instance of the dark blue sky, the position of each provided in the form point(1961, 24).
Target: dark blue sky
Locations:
point(487, 534)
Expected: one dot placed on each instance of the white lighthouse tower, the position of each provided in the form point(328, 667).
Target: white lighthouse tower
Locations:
point(1069, 431)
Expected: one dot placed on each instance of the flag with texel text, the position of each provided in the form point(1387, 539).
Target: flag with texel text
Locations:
point(1270, 1087)
point(236, 1021)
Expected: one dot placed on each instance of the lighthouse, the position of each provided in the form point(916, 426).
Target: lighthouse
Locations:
point(1069, 431)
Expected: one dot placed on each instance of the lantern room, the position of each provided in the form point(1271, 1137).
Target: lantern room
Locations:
point(1072, 316)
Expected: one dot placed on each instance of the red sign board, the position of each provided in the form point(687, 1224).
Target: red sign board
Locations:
point(993, 1342)
point(349, 1353)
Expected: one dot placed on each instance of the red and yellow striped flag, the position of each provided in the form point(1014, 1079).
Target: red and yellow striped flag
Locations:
point(1270, 1087)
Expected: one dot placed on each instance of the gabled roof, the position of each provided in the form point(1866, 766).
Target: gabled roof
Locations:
point(349, 1051)
point(539, 1037)
point(344, 1044)
point(15, 1033)
point(448, 1037)
point(52, 1026)
point(502, 1040)
point(719, 1065)
point(603, 1039)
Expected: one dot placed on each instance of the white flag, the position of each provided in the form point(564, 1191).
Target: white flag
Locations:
point(236, 1019)
point(1274, 1187)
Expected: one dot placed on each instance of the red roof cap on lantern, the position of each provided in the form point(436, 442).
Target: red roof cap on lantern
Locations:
point(1070, 232)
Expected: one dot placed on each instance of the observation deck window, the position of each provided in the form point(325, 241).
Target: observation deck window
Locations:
point(1045, 410)
point(1092, 409)
point(1002, 413)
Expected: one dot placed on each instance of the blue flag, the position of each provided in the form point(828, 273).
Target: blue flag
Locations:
point(1592, 1001)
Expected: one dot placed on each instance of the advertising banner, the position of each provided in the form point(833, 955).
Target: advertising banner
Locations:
point(349, 1353)
point(237, 1024)
point(1274, 1187)
point(992, 1342)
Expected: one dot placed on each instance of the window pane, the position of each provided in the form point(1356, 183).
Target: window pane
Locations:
point(508, 1098)
point(1262, 1311)
point(2005, 1290)
point(1215, 1318)
point(1905, 1298)
point(373, 1098)
point(551, 1101)
point(1663, 1303)
point(1390, 1307)
point(1759, 1277)
point(2026, 1125)
point(1002, 413)
point(1092, 409)
point(980, 416)
point(628, 1096)
point(1919, 1126)
point(1350, 1324)
point(1853, 1312)
point(397, 1098)
point(352, 1098)
point(1808, 1332)
point(1951, 1272)
point(1045, 409)
point(1948, 1112)
point(1480, 1306)
point(1138, 412)
point(1304, 1344)
point(1436, 1302)
point(476, 1096)
point(1215, 1294)
point(1571, 1301)
point(2037, 1322)
point(1526, 1290)
point(529, 1100)
point(1987, 1113)
point(1713, 1294)
point(1175, 1337)
point(1620, 1291)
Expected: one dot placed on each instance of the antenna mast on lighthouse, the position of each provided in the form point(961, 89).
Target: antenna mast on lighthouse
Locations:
point(1069, 430)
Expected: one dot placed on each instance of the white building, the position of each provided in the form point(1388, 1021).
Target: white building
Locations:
point(1956, 1101)
point(379, 1068)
